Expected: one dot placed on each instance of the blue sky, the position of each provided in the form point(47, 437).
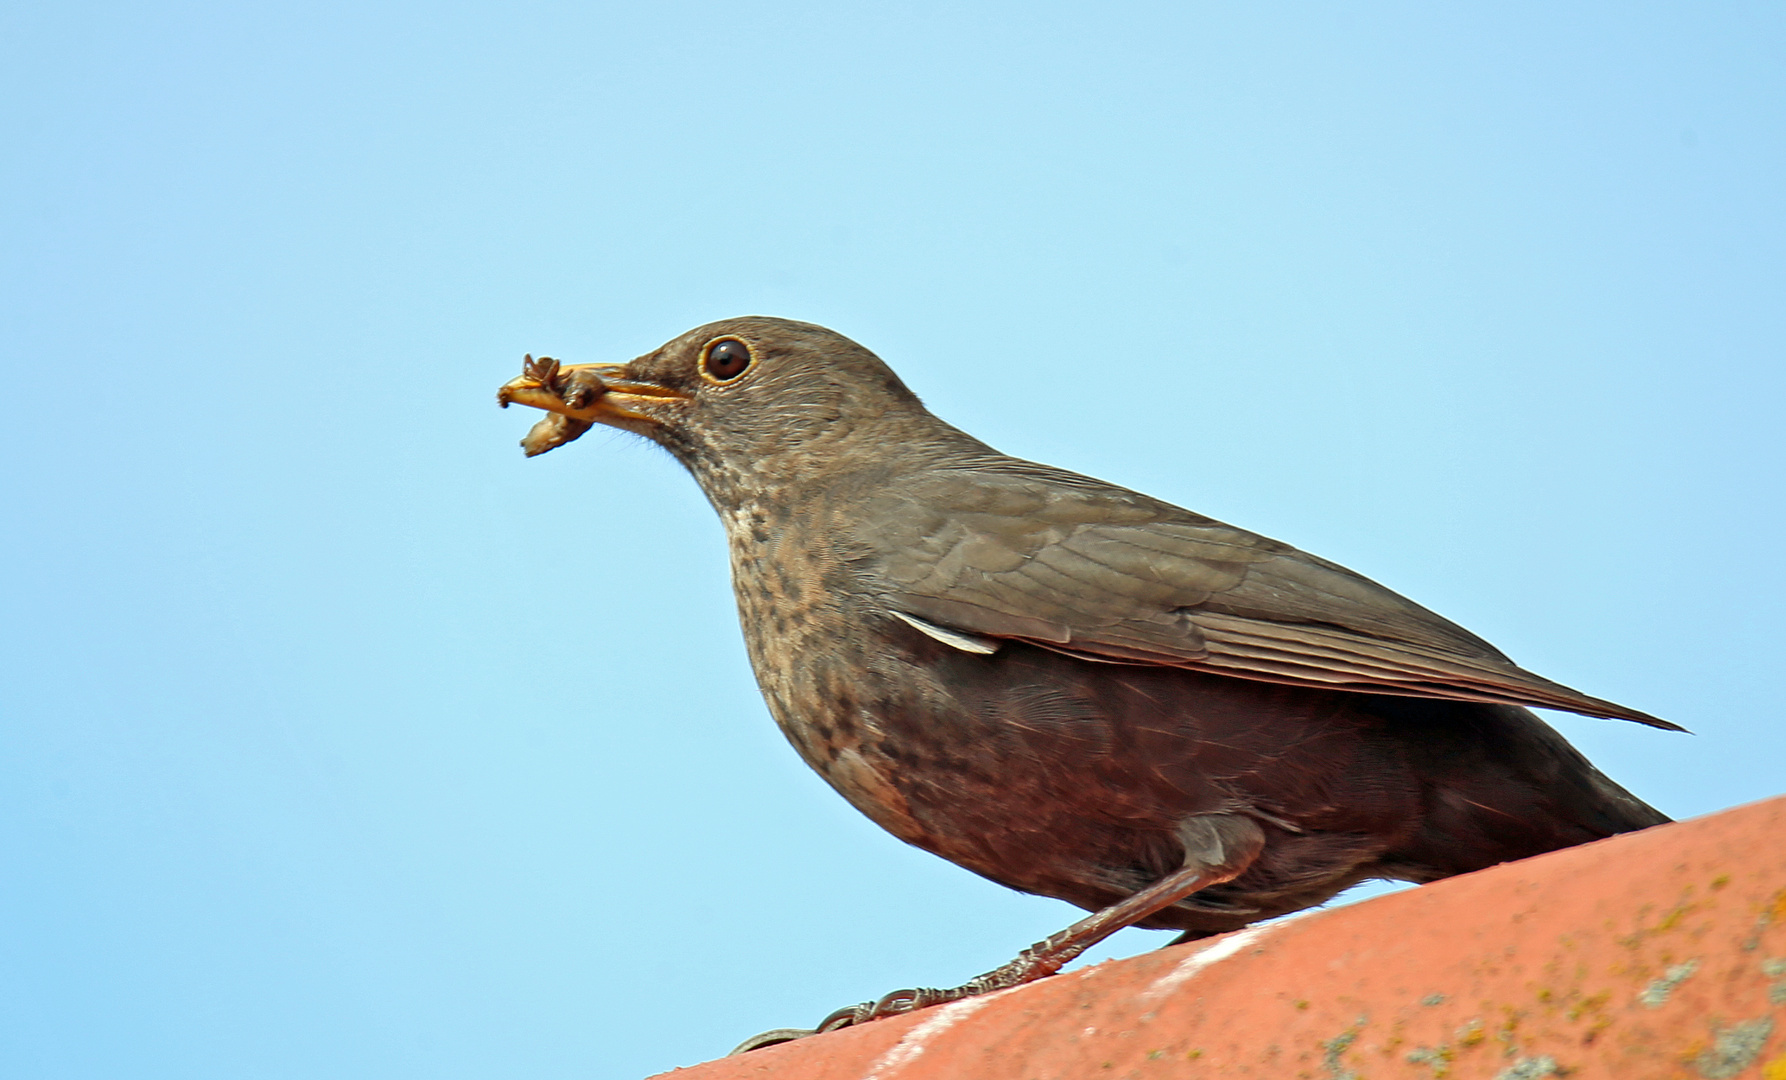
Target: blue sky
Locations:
point(341, 740)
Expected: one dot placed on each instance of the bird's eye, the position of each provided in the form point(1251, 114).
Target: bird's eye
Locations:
point(725, 359)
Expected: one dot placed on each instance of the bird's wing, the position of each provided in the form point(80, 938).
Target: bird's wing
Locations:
point(1096, 571)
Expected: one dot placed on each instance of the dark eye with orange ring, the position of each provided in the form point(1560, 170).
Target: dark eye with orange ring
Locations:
point(725, 359)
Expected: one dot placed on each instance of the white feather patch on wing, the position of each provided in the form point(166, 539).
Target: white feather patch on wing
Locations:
point(965, 642)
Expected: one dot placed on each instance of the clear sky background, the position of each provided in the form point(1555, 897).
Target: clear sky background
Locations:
point(337, 739)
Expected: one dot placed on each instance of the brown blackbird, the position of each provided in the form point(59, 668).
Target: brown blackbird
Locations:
point(1071, 688)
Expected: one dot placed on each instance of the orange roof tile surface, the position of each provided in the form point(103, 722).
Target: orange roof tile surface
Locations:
point(1650, 956)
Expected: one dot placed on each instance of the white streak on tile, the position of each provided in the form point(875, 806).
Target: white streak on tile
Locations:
point(1188, 968)
point(908, 1048)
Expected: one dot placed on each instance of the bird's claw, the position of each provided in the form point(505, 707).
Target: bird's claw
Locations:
point(1030, 965)
point(770, 1038)
point(899, 1001)
point(923, 997)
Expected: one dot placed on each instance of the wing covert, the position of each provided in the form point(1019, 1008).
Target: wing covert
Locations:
point(1106, 574)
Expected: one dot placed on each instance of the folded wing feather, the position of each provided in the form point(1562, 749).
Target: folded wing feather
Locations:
point(1103, 573)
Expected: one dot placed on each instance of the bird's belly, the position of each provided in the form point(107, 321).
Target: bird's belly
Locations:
point(1063, 777)
point(901, 746)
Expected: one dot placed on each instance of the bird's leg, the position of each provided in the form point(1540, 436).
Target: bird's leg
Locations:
point(1218, 848)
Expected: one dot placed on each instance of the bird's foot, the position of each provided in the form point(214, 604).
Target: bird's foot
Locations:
point(1039, 961)
point(1233, 842)
point(771, 1038)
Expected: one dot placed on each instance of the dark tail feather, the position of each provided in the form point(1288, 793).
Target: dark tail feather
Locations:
point(1502, 785)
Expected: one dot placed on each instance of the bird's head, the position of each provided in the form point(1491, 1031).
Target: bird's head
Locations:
point(754, 401)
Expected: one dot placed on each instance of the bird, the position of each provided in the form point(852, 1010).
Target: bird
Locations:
point(1071, 688)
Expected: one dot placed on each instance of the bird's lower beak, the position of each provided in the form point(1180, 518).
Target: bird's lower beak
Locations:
point(600, 393)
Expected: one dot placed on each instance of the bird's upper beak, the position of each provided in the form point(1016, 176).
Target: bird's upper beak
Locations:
point(600, 393)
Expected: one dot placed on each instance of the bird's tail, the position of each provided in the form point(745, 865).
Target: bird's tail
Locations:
point(1501, 784)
